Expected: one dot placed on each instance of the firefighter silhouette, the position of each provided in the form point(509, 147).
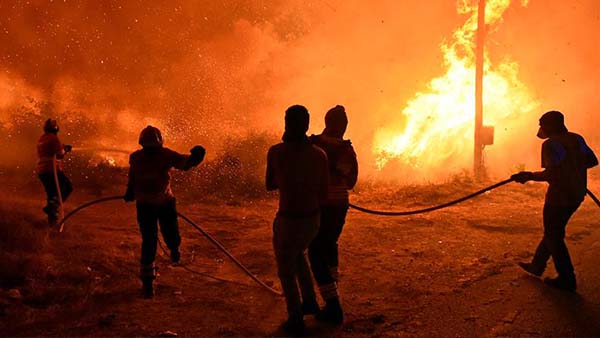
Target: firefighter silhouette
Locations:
point(565, 158)
point(149, 185)
point(299, 171)
point(50, 169)
point(343, 174)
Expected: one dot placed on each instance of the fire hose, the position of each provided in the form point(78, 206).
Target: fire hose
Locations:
point(102, 149)
point(210, 238)
point(220, 246)
point(430, 209)
point(61, 207)
point(448, 204)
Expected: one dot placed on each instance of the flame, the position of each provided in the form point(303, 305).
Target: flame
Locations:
point(110, 161)
point(436, 129)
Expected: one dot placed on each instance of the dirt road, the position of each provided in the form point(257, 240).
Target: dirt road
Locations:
point(448, 273)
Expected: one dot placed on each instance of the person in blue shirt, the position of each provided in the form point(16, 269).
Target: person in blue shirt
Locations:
point(565, 158)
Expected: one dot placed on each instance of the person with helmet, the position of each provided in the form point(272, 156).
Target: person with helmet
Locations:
point(565, 158)
point(50, 155)
point(298, 170)
point(149, 186)
point(343, 174)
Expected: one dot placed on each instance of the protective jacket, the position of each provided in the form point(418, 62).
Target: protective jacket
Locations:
point(49, 146)
point(149, 177)
point(566, 158)
point(343, 167)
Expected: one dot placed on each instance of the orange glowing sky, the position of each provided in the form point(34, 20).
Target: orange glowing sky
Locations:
point(204, 70)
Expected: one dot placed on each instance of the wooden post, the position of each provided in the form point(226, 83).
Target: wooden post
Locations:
point(478, 166)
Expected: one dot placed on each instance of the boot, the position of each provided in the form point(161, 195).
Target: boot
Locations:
point(52, 211)
point(175, 256)
point(147, 275)
point(294, 326)
point(332, 312)
point(52, 219)
point(310, 308)
point(562, 283)
point(147, 287)
point(528, 267)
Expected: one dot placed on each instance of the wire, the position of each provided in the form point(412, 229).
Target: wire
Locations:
point(430, 209)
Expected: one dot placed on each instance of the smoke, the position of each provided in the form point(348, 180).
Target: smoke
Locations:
point(206, 72)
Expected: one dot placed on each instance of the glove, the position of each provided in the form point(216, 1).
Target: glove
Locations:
point(68, 148)
point(129, 195)
point(198, 153)
point(522, 177)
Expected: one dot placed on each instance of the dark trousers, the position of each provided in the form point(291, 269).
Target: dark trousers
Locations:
point(291, 237)
point(66, 188)
point(323, 250)
point(148, 215)
point(553, 243)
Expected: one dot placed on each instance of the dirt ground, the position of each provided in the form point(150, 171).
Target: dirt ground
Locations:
point(448, 273)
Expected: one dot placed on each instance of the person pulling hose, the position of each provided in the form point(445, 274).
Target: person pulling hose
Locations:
point(149, 185)
point(565, 158)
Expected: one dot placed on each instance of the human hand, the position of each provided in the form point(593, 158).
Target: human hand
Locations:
point(129, 196)
point(198, 152)
point(522, 177)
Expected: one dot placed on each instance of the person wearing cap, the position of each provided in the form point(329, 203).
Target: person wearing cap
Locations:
point(343, 174)
point(565, 158)
point(299, 171)
point(50, 155)
point(149, 185)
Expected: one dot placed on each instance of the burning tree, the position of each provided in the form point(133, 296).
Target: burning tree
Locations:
point(435, 131)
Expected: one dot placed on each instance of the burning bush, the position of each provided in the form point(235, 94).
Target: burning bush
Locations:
point(23, 126)
point(236, 172)
point(95, 175)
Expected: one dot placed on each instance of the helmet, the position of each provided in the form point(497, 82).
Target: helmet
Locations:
point(336, 121)
point(51, 126)
point(150, 137)
point(550, 123)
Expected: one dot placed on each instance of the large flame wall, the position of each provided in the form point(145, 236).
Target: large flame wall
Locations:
point(204, 71)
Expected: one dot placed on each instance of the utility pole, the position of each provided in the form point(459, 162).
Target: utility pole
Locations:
point(478, 166)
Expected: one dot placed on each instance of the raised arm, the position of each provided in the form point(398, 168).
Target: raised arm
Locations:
point(186, 162)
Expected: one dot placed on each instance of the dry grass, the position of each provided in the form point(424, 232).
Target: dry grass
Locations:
point(24, 239)
point(236, 173)
point(46, 270)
